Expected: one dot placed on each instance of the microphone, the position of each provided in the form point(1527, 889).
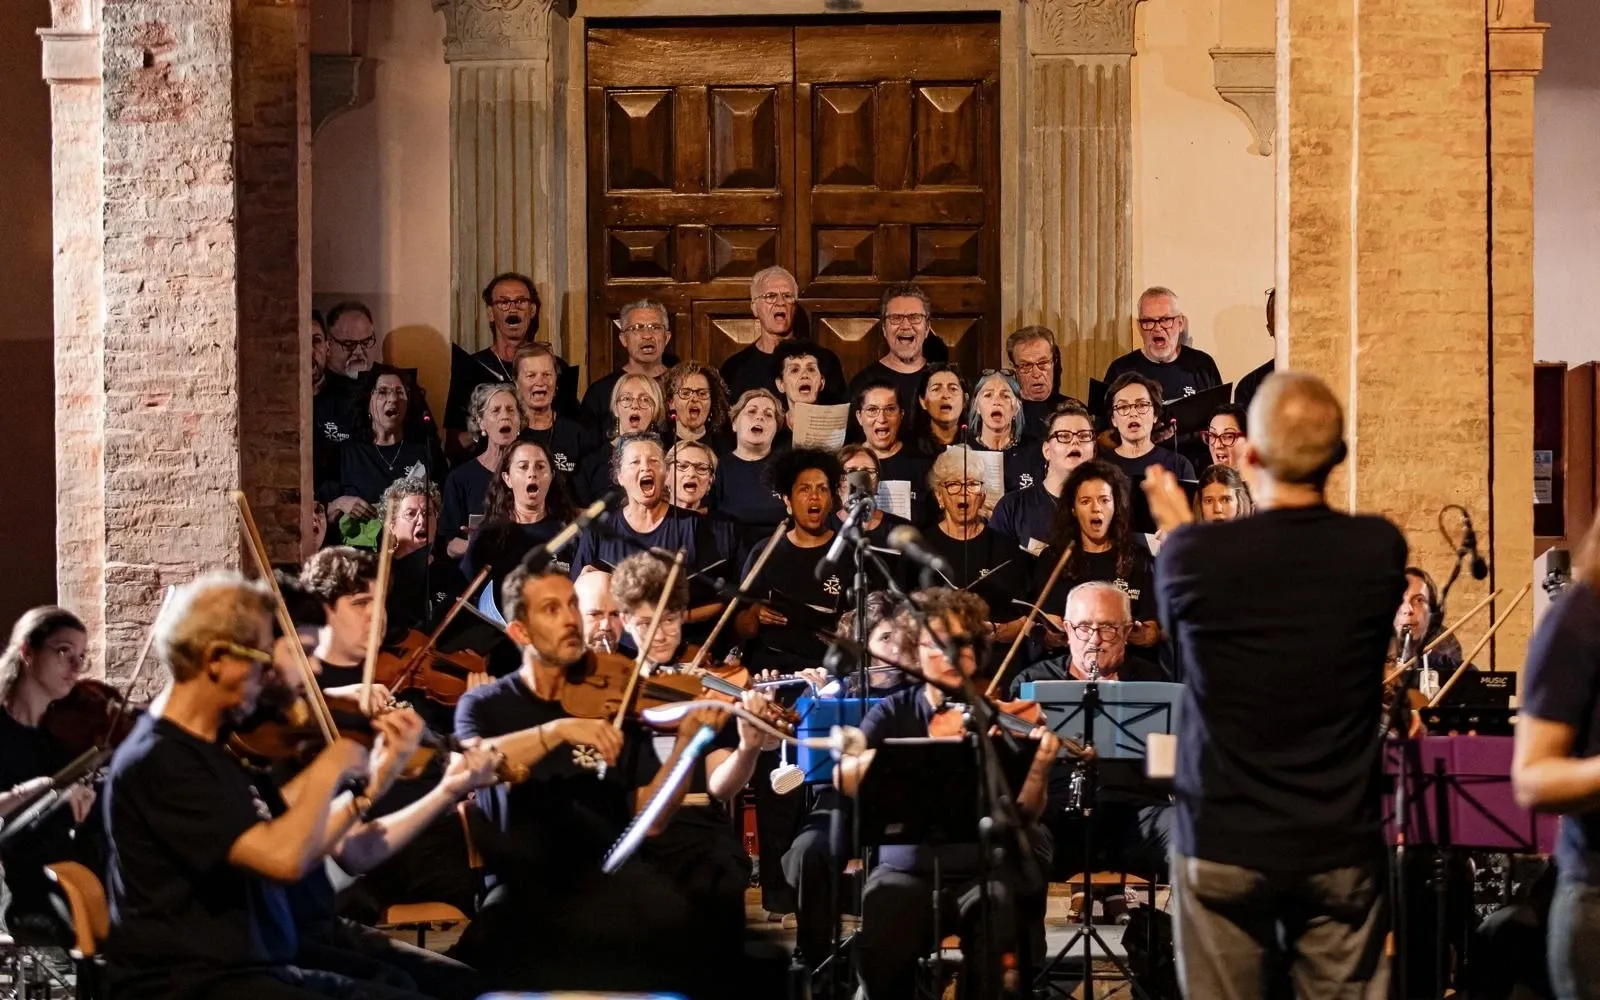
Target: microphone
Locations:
point(859, 506)
point(908, 541)
point(846, 741)
point(542, 556)
point(1469, 544)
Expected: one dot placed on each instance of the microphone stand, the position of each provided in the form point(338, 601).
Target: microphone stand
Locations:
point(1398, 724)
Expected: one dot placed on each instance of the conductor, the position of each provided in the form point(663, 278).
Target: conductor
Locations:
point(1282, 620)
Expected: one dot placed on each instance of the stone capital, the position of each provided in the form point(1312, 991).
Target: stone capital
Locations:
point(70, 56)
point(1081, 27)
point(494, 30)
point(1248, 80)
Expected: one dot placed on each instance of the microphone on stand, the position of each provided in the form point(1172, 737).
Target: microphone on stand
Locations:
point(542, 556)
point(1469, 546)
point(908, 541)
point(859, 507)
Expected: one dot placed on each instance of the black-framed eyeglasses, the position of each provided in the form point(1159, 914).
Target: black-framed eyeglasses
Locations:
point(1030, 367)
point(1103, 632)
point(905, 319)
point(506, 305)
point(1228, 438)
point(645, 328)
point(700, 394)
point(1165, 322)
point(1128, 409)
point(1071, 437)
point(366, 344)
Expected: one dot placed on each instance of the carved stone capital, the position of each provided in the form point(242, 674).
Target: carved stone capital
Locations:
point(1081, 27)
point(70, 56)
point(338, 84)
point(1247, 79)
point(497, 29)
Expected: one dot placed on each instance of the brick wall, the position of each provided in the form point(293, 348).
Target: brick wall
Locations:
point(171, 341)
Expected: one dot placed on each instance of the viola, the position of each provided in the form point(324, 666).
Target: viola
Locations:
point(415, 662)
point(594, 688)
point(92, 715)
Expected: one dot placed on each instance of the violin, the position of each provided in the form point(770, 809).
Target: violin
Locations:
point(93, 715)
point(594, 688)
point(415, 662)
point(1019, 718)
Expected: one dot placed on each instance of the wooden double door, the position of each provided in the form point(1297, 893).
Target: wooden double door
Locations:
point(855, 155)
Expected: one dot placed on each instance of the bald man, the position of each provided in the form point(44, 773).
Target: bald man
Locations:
point(602, 620)
point(1282, 620)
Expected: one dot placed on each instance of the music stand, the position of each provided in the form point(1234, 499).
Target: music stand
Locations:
point(1114, 719)
point(928, 792)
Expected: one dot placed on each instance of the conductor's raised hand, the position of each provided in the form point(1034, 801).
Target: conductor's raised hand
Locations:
point(1169, 504)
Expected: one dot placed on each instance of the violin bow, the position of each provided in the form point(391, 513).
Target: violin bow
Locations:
point(380, 607)
point(1441, 637)
point(138, 671)
point(258, 548)
point(733, 602)
point(1027, 624)
point(632, 691)
point(409, 667)
point(1437, 698)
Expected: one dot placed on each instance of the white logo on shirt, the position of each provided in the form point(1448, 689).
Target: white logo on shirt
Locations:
point(331, 432)
point(1025, 480)
point(831, 586)
point(564, 463)
point(417, 471)
point(1188, 390)
point(1122, 585)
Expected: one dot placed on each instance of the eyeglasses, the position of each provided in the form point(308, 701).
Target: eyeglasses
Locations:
point(244, 652)
point(1228, 438)
point(1072, 437)
point(645, 328)
point(699, 468)
point(874, 412)
point(1090, 630)
point(1151, 322)
point(391, 392)
point(367, 344)
point(1127, 409)
point(773, 298)
point(701, 394)
point(1034, 367)
point(870, 470)
point(962, 486)
point(905, 319)
point(506, 305)
point(631, 402)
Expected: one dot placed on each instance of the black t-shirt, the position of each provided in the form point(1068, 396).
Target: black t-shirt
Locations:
point(1282, 621)
point(366, 469)
point(1134, 468)
point(563, 819)
point(332, 422)
point(1561, 683)
point(594, 472)
point(422, 586)
point(1138, 583)
point(485, 368)
point(501, 544)
point(181, 914)
point(465, 490)
point(1245, 389)
point(565, 441)
point(743, 490)
point(606, 545)
point(1028, 515)
point(1036, 415)
point(912, 466)
point(1192, 371)
point(989, 564)
point(812, 607)
point(751, 368)
point(27, 752)
point(1023, 464)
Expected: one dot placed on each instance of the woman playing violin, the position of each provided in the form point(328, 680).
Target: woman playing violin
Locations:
point(552, 919)
point(41, 665)
point(699, 849)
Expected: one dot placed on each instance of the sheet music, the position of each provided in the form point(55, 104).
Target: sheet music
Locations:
point(817, 426)
point(993, 474)
point(894, 496)
point(1033, 546)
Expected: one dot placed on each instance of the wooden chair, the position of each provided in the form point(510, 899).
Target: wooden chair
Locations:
point(91, 921)
point(421, 918)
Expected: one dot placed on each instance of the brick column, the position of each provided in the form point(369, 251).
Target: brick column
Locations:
point(177, 170)
point(1076, 265)
point(1384, 221)
point(1516, 54)
point(507, 188)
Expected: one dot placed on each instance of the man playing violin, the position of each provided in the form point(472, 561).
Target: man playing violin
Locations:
point(552, 920)
point(1131, 820)
point(200, 869)
point(896, 921)
point(699, 849)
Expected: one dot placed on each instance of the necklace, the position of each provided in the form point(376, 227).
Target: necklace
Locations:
point(389, 463)
point(505, 373)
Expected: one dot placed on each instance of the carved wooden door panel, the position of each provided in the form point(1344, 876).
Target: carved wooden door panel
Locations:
point(855, 155)
point(690, 144)
point(896, 147)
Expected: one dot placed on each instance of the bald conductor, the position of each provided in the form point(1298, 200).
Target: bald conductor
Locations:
point(1282, 620)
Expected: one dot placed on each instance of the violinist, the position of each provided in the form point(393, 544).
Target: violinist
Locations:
point(896, 922)
point(1130, 818)
point(199, 869)
point(40, 666)
point(699, 849)
point(433, 866)
point(551, 919)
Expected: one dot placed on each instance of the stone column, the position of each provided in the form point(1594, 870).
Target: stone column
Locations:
point(507, 190)
point(72, 68)
point(1076, 268)
point(1383, 270)
point(1516, 54)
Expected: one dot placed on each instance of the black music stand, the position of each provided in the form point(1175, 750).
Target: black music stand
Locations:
point(929, 792)
point(1114, 719)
